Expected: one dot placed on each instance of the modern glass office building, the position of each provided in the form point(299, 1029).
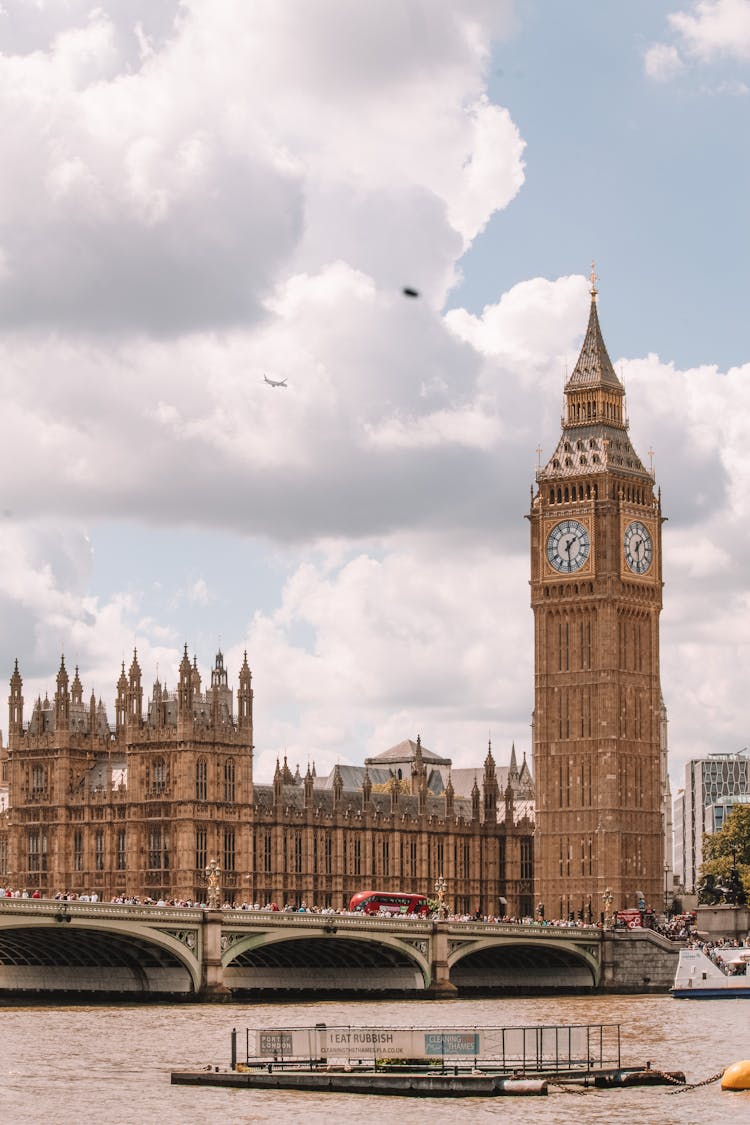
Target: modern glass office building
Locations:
point(712, 786)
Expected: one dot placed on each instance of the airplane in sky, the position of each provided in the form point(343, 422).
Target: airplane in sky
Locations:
point(275, 382)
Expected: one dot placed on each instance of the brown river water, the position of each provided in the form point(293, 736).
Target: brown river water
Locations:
point(112, 1064)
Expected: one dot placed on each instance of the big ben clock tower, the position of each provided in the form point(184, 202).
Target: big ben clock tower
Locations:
point(596, 593)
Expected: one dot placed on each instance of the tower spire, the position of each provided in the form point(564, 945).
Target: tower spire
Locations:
point(593, 368)
point(594, 437)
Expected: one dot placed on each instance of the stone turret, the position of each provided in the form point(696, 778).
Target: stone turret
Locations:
point(121, 701)
point(513, 770)
point(308, 785)
point(245, 699)
point(367, 786)
point(15, 705)
point(185, 690)
point(490, 787)
point(221, 696)
point(135, 692)
point(158, 695)
point(394, 788)
point(219, 675)
point(450, 796)
point(509, 805)
point(76, 690)
point(278, 785)
point(62, 699)
point(419, 777)
point(475, 799)
point(338, 786)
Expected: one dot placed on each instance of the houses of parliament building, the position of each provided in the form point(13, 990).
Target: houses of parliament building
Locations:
point(140, 809)
point(141, 806)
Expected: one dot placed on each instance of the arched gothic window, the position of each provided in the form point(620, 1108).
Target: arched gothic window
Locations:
point(229, 779)
point(158, 774)
point(201, 783)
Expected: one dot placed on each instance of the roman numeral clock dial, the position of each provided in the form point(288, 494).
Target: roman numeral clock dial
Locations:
point(639, 548)
point(568, 546)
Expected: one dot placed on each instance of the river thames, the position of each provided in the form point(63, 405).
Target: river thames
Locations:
point(112, 1064)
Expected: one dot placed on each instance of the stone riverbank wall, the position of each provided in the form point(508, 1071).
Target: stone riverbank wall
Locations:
point(638, 961)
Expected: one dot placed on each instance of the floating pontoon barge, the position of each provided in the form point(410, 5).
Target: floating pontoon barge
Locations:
point(453, 1062)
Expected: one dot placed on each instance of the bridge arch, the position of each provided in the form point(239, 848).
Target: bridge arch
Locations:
point(507, 964)
point(319, 960)
point(82, 955)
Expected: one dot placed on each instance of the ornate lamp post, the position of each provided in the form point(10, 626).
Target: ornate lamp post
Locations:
point(441, 886)
point(666, 889)
point(213, 878)
point(607, 900)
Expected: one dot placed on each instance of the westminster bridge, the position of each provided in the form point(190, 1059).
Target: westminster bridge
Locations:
point(111, 949)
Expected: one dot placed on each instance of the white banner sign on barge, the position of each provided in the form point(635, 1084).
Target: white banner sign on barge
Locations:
point(538, 1046)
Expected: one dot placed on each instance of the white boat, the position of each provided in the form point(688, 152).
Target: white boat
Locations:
point(700, 978)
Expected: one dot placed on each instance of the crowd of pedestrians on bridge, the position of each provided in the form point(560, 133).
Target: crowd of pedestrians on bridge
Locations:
point(678, 927)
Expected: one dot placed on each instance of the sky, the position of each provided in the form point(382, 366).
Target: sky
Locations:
point(197, 195)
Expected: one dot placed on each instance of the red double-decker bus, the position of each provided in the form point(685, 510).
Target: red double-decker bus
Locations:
point(388, 902)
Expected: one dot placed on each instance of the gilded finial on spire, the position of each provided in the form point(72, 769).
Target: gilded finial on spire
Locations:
point(594, 277)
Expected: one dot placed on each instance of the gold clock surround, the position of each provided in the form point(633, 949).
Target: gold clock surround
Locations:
point(587, 568)
point(650, 574)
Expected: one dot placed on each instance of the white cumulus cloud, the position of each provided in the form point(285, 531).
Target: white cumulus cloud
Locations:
point(714, 28)
point(708, 31)
point(663, 62)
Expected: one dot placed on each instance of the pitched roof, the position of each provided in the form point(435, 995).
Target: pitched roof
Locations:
point(592, 449)
point(593, 366)
point(405, 753)
point(594, 445)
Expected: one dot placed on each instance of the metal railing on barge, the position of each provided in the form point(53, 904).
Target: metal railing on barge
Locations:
point(534, 1049)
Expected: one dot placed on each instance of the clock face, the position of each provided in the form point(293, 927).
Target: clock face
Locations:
point(568, 546)
point(639, 549)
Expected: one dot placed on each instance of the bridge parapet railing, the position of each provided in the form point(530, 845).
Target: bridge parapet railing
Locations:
point(76, 909)
point(516, 929)
point(406, 925)
point(331, 923)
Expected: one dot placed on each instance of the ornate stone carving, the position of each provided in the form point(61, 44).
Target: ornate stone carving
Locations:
point(186, 937)
point(420, 946)
point(230, 939)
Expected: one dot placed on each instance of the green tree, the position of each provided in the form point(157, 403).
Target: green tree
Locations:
point(729, 848)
